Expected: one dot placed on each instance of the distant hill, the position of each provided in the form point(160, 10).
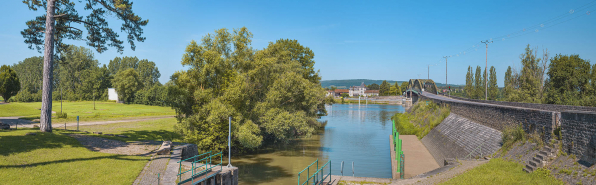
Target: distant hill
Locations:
point(344, 84)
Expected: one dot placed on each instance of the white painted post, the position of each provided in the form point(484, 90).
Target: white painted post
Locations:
point(229, 140)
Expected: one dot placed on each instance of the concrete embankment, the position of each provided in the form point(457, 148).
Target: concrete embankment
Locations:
point(458, 137)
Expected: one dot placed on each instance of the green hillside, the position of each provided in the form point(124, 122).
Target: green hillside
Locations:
point(344, 84)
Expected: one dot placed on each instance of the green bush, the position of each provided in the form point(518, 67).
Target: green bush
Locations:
point(421, 119)
point(61, 115)
point(511, 135)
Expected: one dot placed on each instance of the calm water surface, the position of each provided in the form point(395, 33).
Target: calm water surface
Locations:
point(354, 133)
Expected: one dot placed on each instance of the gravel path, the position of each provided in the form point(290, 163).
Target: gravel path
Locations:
point(98, 144)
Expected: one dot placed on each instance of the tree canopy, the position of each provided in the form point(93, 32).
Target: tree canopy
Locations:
point(272, 95)
point(126, 83)
point(9, 83)
point(569, 81)
point(373, 86)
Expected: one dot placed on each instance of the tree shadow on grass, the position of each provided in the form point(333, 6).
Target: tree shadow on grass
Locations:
point(14, 144)
point(143, 136)
point(116, 157)
point(259, 171)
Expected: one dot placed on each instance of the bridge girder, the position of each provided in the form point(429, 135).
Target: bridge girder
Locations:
point(417, 85)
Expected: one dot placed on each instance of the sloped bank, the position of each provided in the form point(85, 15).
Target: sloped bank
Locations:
point(458, 137)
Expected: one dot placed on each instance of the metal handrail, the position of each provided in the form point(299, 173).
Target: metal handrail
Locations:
point(317, 172)
point(194, 156)
point(342, 168)
point(194, 174)
point(308, 170)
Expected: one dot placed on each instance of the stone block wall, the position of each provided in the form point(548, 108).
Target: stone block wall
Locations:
point(500, 117)
point(458, 137)
point(577, 123)
point(578, 131)
point(549, 107)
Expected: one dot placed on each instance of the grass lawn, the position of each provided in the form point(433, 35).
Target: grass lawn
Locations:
point(157, 130)
point(84, 109)
point(55, 158)
point(499, 171)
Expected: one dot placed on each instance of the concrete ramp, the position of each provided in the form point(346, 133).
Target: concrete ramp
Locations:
point(458, 137)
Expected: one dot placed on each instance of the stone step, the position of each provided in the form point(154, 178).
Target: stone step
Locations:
point(536, 159)
point(541, 157)
point(549, 149)
point(535, 164)
point(528, 169)
point(544, 153)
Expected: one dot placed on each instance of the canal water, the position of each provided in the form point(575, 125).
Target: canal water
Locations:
point(354, 133)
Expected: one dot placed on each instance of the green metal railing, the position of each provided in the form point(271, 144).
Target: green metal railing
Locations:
point(206, 162)
point(397, 148)
point(319, 176)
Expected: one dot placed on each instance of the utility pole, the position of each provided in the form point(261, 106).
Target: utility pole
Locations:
point(446, 71)
point(485, 68)
point(428, 78)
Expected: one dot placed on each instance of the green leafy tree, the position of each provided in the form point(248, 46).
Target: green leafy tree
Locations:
point(493, 89)
point(30, 73)
point(148, 71)
point(272, 95)
point(469, 88)
point(126, 83)
point(404, 86)
point(77, 68)
point(373, 86)
point(529, 79)
point(62, 21)
point(384, 88)
point(569, 80)
point(478, 85)
point(9, 83)
point(397, 89)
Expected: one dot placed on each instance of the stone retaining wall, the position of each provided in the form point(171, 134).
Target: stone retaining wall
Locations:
point(500, 117)
point(577, 123)
point(579, 134)
point(549, 107)
point(458, 137)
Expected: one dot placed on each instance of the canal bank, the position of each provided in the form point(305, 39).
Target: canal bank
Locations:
point(353, 133)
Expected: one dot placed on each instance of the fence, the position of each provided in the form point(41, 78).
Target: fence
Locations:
point(319, 176)
point(204, 167)
point(399, 154)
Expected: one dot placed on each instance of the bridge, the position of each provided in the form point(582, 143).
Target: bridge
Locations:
point(417, 86)
point(576, 123)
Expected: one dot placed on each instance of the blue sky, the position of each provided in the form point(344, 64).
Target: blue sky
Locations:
point(392, 40)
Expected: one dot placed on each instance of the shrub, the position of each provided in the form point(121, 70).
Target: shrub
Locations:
point(61, 115)
point(512, 135)
point(421, 118)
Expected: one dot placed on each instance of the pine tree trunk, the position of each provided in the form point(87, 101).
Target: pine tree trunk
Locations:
point(45, 119)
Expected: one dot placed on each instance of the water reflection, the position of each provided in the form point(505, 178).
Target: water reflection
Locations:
point(358, 133)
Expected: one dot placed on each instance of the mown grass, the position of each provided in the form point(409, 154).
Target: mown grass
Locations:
point(55, 158)
point(421, 119)
point(84, 109)
point(156, 130)
point(500, 171)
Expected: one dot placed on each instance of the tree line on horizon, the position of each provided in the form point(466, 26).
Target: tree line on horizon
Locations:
point(562, 80)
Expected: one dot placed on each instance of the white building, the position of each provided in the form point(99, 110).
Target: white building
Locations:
point(112, 94)
point(358, 90)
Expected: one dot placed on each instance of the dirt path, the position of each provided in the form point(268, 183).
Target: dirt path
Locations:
point(417, 158)
point(117, 147)
point(12, 121)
